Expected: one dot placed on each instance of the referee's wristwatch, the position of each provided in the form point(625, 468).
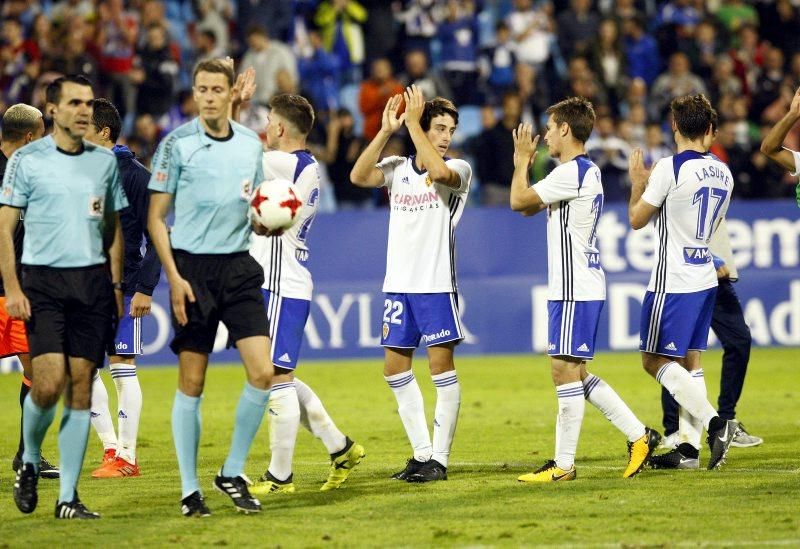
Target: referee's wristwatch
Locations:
point(119, 286)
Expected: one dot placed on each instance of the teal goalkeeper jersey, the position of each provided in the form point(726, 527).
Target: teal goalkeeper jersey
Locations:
point(211, 181)
point(64, 196)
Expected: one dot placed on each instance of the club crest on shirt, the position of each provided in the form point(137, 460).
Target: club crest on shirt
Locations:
point(7, 191)
point(247, 189)
point(385, 330)
point(161, 177)
point(428, 180)
point(96, 206)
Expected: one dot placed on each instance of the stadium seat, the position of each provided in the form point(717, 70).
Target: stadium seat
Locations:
point(469, 124)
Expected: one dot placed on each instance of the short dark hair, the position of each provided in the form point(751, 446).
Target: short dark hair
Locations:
point(256, 29)
point(53, 92)
point(294, 108)
point(19, 120)
point(577, 113)
point(693, 114)
point(106, 115)
point(216, 66)
point(437, 106)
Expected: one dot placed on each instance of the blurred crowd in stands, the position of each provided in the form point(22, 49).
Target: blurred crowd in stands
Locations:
point(501, 62)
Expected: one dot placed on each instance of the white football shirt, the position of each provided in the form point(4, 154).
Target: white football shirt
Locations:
point(284, 257)
point(423, 215)
point(573, 192)
point(693, 191)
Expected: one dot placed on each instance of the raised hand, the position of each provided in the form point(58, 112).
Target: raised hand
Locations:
point(638, 173)
point(390, 122)
point(794, 108)
point(245, 86)
point(525, 145)
point(415, 104)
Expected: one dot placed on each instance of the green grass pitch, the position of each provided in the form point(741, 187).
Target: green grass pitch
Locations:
point(506, 428)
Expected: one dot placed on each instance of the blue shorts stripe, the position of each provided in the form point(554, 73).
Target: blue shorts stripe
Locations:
point(128, 339)
point(411, 319)
point(572, 328)
point(287, 320)
point(672, 324)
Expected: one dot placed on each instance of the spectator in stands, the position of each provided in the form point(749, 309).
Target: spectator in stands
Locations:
point(340, 22)
point(748, 56)
point(205, 45)
point(610, 153)
point(784, 30)
point(342, 148)
point(42, 38)
point(642, 51)
point(374, 94)
point(735, 13)
point(532, 31)
point(319, 74)
point(723, 81)
point(117, 30)
point(577, 27)
point(72, 57)
point(609, 63)
point(497, 63)
point(428, 80)
point(274, 17)
point(420, 19)
point(214, 16)
point(768, 84)
point(655, 147)
point(64, 10)
point(147, 135)
point(268, 57)
point(534, 99)
point(458, 34)
point(703, 49)
point(678, 80)
point(156, 74)
point(13, 51)
point(182, 110)
point(380, 36)
point(498, 143)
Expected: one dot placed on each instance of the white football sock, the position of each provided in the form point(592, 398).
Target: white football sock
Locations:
point(690, 429)
point(284, 421)
point(571, 404)
point(604, 398)
point(448, 401)
point(101, 418)
point(412, 412)
point(315, 418)
point(686, 392)
point(129, 397)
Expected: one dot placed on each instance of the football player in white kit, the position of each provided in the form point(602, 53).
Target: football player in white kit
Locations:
point(573, 196)
point(287, 295)
point(688, 193)
point(427, 192)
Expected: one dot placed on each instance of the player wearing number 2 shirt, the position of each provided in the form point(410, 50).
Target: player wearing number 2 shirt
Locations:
point(427, 192)
point(688, 194)
point(573, 196)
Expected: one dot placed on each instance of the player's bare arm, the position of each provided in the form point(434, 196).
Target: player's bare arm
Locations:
point(772, 146)
point(427, 154)
point(17, 304)
point(639, 211)
point(364, 172)
point(524, 198)
point(179, 289)
point(116, 254)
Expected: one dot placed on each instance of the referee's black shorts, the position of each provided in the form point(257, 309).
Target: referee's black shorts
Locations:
point(227, 288)
point(73, 311)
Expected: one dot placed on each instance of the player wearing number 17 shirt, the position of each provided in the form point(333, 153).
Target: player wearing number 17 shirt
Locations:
point(573, 196)
point(427, 193)
point(688, 194)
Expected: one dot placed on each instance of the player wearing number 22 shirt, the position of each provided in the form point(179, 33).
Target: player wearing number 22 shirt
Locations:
point(427, 192)
point(688, 195)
